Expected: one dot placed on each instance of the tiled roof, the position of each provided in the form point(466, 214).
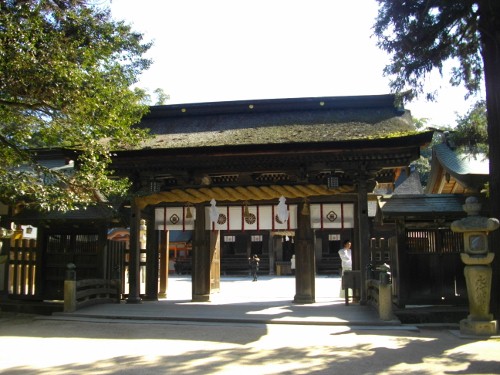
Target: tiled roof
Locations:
point(461, 164)
point(422, 206)
point(411, 185)
point(463, 172)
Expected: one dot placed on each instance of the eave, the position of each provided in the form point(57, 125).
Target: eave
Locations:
point(433, 207)
point(413, 139)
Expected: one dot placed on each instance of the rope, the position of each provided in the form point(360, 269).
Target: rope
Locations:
point(240, 193)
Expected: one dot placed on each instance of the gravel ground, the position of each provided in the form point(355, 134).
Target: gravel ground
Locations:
point(38, 345)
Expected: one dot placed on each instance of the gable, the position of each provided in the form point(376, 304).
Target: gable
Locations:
point(456, 173)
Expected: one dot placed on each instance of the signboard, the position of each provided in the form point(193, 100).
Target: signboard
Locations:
point(332, 215)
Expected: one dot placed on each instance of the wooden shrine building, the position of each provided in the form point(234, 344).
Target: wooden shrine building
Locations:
point(457, 173)
point(425, 253)
point(276, 178)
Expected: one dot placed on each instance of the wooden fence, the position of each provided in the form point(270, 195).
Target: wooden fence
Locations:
point(22, 268)
point(82, 293)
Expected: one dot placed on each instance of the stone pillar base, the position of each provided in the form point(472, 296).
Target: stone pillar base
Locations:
point(201, 298)
point(478, 328)
point(134, 300)
point(385, 302)
point(303, 299)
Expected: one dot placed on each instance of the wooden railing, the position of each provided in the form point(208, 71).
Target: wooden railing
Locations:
point(82, 293)
point(379, 295)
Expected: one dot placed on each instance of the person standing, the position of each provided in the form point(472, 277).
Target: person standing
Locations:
point(254, 266)
point(346, 258)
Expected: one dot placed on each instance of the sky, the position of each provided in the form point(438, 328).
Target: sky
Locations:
point(222, 50)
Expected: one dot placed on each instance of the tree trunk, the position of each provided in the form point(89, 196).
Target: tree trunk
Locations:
point(489, 26)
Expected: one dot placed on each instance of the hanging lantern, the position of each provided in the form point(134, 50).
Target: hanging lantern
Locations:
point(189, 215)
point(246, 211)
point(305, 209)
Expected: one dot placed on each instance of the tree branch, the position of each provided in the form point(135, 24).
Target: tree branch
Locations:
point(34, 106)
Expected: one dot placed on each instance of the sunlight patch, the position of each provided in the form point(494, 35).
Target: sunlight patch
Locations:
point(271, 311)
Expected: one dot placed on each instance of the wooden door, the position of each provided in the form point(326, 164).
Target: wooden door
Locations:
point(433, 273)
point(83, 250)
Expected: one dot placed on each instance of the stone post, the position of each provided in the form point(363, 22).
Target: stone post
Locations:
point(385, 302)
point(70, 288)
point(477, 269)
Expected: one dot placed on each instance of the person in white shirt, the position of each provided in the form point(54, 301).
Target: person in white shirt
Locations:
point(346, 258)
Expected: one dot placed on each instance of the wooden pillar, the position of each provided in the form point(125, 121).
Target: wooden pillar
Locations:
point(214, 261)
point(363, 235)
point(152, 261)
point(271, 252)
point(134, 295)
point(305, 267)
point(164, 262)
point(402, 266)
point(200, 258)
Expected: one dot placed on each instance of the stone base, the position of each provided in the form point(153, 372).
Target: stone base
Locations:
point(200, 298)
point(303, 299)
point(134, 300)
point(478, 328)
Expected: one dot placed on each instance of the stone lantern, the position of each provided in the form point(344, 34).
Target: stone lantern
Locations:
point(477, 269)
point(4, 234)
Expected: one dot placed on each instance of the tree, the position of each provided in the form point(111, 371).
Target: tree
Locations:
point(423, 165)
point(423, 35)
point(65, 72)
point(161, 96)
point(470, 134)
point(158, 97)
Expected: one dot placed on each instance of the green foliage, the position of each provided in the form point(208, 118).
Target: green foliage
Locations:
point(469, 136)
point(423, 165)
point(486, 190)
point(161, 96)
point(65, 72)
point(148, 99)
point(471, 133)
point(420, 123)
point(421, 35)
